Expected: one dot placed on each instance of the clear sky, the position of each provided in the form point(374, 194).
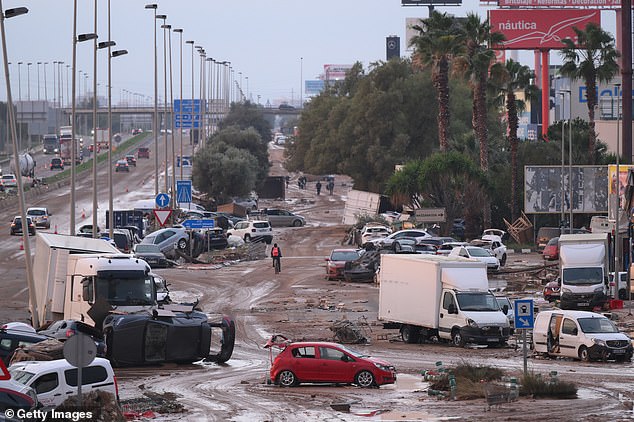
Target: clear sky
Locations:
point(274, 44)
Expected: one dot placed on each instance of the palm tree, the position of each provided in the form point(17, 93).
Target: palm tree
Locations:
point(438, 41)
point(593, 57)
point(508, 79)
point(475, 64)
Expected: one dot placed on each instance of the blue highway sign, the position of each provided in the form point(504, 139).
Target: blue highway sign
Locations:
point(205, 223)
point(183, 191)
point(524, 316)
point(162, 200)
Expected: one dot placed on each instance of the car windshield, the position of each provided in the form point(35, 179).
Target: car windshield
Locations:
point(480, 302)
point(344, 256)
point(35, 212)
point(479, 252)
point(125, 291)
point(503, 301)
point(597, 325)
point(353, 352)
point(583, 276)
point(20, 376)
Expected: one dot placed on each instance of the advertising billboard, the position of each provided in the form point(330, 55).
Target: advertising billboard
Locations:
point(336, 71)
point(534, 29)
point(542, 189)
point(430, 2)
point(599, 4)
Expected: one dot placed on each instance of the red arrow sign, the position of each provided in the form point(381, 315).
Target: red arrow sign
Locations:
point(162, 216)
point(4, 373)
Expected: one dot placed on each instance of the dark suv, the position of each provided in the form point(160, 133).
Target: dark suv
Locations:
point(143, 153)
point(14, 337)
point(57, 163)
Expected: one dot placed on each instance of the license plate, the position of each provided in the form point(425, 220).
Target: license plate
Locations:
point(618, 351)
point(583, 304)
point(493, 340)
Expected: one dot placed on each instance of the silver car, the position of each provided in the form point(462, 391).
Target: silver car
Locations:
point(168, 240)
point(283, 218)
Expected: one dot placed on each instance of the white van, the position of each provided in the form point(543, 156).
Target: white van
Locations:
point(581, 335)
point(56, 380)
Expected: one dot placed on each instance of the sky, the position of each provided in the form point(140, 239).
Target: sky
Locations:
point(273, 45)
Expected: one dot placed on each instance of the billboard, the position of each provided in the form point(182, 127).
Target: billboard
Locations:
point(534, 29)
point(392, 47)
point(542, 189)
point(600, 4)
point(336, 71)
point(313, 87)
point(430, 2)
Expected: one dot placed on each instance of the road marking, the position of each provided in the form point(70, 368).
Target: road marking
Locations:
point(20, 292)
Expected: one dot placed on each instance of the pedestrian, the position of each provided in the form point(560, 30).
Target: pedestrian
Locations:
point(318, 186)
point(331, 186)
point(287, 180)
point(276, 254)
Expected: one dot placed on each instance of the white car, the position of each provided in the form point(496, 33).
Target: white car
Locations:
point(370, 233)
point(476, 252)
point(446, 248)
point(388, 242)
point(252, 230)
point(494, 246)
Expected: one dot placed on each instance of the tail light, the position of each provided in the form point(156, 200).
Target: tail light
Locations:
point(116, 387)
point(70, 332)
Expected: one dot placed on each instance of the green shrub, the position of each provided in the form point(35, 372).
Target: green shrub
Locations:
point(534, 385)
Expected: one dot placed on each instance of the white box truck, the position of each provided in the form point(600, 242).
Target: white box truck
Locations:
point(426, 296)
point(583, 270)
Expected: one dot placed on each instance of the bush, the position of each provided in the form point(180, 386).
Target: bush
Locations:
point(534, 385)
point(469, 380)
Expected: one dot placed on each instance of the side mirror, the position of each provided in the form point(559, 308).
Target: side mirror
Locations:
point(86, 290)
point(452, 309)
point(505, 309)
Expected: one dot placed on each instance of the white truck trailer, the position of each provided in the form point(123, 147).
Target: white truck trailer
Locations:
point(427, 296)
point(583, 270)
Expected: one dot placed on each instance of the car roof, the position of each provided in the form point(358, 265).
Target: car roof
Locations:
point(573, 314)
point(36, 209)
point(315, 343)
point(44, 365)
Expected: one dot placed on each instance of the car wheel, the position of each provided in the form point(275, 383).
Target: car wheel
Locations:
point(297, 223)
point(410, 334)
point(287, 378)
point(364, 379)
point(247, 238)
point(584, 354)
point(397, 247)
point(457, 338)
point(622, 294)
point(503, 260)
point(182, 244)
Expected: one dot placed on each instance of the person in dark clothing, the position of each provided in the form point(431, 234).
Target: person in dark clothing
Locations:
point(318, 186)
point(276, 254)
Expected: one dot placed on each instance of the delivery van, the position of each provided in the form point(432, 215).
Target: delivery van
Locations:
point(580, 335)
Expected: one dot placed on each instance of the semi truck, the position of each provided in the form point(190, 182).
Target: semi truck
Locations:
point(50, 144)
point(89, 280)
point(583, 270)
point(102, 139)
point(432, 296)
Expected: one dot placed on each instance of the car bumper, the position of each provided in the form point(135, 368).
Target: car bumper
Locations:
point(604, 352)
point(586, 301)
point(485, 335)
point(385, 377)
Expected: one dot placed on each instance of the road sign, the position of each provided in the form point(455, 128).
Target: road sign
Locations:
point(430, 215)
point(205, 223)
point(162, 200)
point(80, 350)
point(524, 316)
point(4, 372)
point(162, 216)
point(186, 114)
point(183, 191)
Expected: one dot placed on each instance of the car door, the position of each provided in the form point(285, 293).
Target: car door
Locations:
point(48, 389)
point(553, 336)
point(446, 320)
point(305, 363)
point(333, 367)
point(569, 338)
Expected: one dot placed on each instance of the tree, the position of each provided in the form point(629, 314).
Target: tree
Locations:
point(250, 140)
point(593, 58)
point(246, 115)
point(439, 40)
point(448, 180)
point(223, 171)
point(510, 78)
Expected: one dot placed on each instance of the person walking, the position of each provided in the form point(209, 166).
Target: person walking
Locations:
point(276, 254)
point(318, 186)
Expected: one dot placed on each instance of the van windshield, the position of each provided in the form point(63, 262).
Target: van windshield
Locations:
point(597, 325)
point(125, 291)
point(583, 276)
point(22, 377)
point(477, 301)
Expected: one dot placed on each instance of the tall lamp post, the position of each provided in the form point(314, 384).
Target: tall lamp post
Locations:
point(165, 28)
point(171, 120)
point(155, 128)
point(179, 31)
point(563, 137)
point(10, 13)
point(617, 244)
point(73, 147)
point(38, 80)
point(28, 81)
point(191, 130)
point(94, 131)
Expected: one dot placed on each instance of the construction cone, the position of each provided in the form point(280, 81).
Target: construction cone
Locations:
point(21, 245)
point(55, 228)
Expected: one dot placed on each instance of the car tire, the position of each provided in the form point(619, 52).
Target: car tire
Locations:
point(503, 260)
point(287, 378)
point(182, 244)
point(365, 379)
point(297, 223)
point(397, 247)
point(410, 334)
point(584, 354)
point(456, 338)
point(247, 238)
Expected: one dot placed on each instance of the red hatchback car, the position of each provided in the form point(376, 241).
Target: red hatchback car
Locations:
point(336, 262)
point(551, 250)
point(324, 362)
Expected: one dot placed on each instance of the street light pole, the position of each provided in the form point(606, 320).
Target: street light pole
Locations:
point(9, 13)
point(617, 244)
point(301, 82)
point(191, 130)
point(180, 126)
point(45, 87)
point(171, 120)
point(94, 132)
point(38, 80)
point(563, 137)
point(155, 120)
point(165, 99)
point(28, 81)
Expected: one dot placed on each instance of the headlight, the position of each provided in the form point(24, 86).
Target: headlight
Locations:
point(472, 323)
point(599, 342)
point(566, 291)
point(381, 367)
point(598, 289)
